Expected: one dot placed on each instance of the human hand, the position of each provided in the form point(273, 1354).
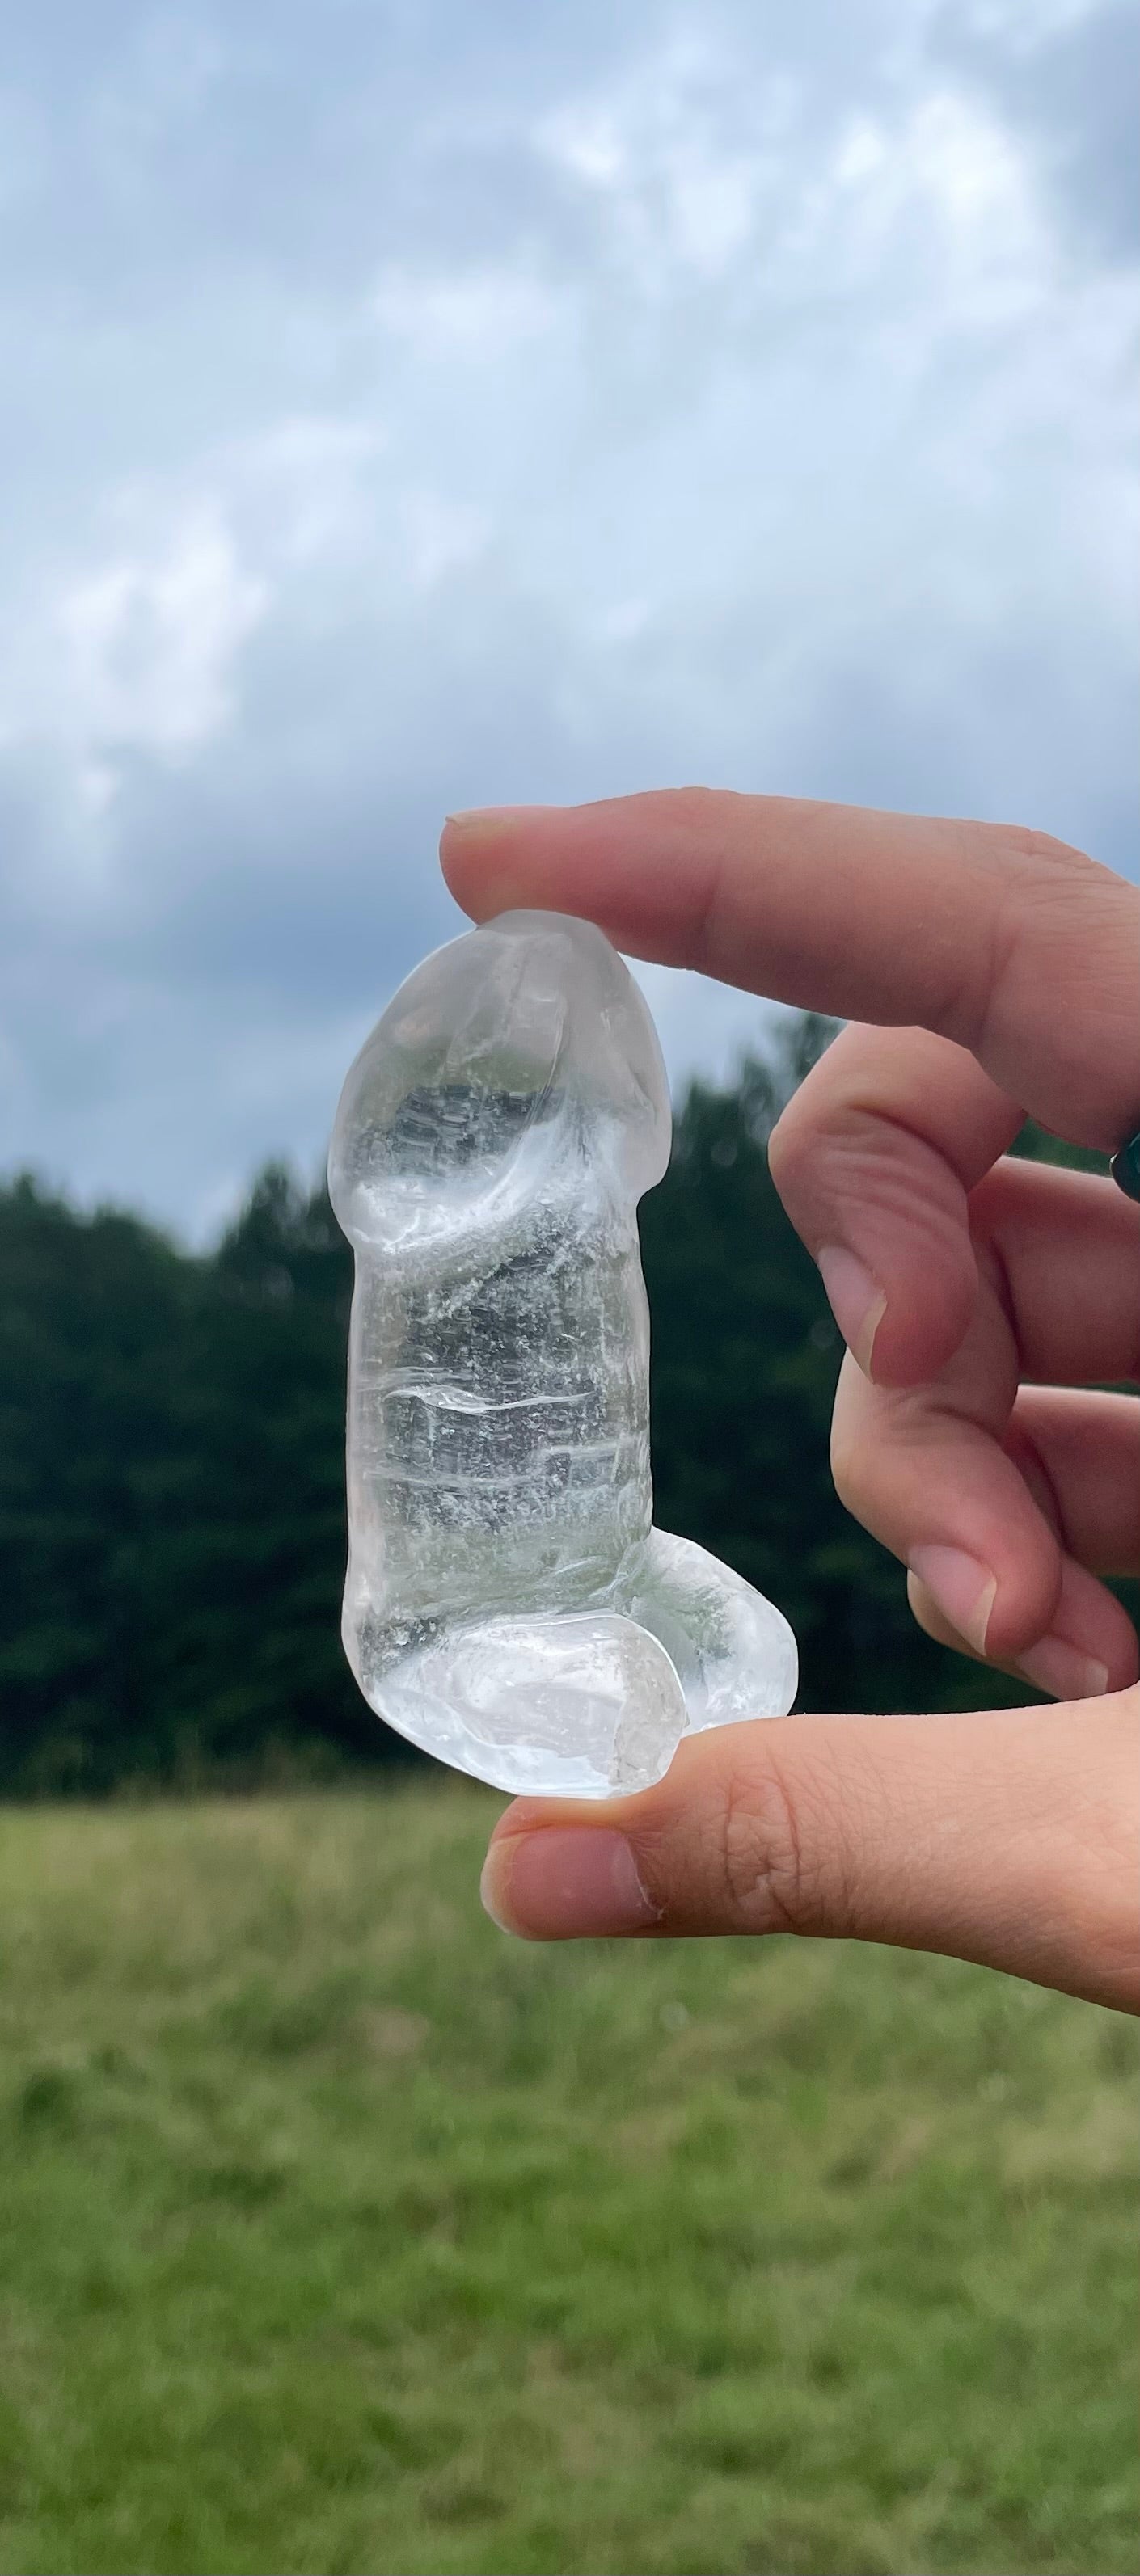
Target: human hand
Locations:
point(980, 1298)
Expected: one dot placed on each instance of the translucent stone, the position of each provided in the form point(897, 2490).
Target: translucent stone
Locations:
point(509, 1605)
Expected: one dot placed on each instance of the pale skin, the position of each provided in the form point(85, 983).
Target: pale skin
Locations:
point(985, 972)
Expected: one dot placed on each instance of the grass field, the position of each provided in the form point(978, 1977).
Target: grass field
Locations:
point(340, 2234)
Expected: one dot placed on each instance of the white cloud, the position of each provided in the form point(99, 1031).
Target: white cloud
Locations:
point(443, 537)
point(300, 487)
point(1024, 26)
point(948, 168)
point(663, 153)
point(458, 313)
point(150, 643)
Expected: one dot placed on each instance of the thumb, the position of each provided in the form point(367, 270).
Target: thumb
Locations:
point(1007, 1837)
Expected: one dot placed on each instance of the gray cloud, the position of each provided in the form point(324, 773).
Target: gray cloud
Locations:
point(415, 407)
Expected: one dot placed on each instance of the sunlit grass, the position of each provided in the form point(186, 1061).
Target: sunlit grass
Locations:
point(339, 2234)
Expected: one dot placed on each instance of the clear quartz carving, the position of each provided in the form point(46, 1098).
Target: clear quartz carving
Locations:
point(509, 1605)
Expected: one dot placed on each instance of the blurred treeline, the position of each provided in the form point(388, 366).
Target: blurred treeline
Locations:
point(171, 1467)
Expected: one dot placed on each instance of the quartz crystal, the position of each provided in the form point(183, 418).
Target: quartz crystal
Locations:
point(509, 1605)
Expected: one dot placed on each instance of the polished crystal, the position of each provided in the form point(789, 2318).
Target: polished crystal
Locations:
point(509, 1605)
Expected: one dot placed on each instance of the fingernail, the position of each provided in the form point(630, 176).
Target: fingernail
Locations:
point(564, 1883)
point(1062, 1670)
point(857, 1304)
point(964, 1589)
point(491, 818)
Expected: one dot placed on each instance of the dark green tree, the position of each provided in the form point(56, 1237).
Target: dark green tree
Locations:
point(95, 1316)
point(171, 1496)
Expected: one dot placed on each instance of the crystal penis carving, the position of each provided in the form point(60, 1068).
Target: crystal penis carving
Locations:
point(509, 1605)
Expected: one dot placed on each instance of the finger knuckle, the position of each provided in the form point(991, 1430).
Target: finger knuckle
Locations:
point(792, 1145)
point(761, 1855)
point(858, 1158)
point(1040, 850)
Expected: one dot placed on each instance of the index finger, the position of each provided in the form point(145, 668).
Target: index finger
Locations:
point(1012, 944)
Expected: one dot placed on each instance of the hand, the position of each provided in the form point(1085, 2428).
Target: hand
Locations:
point(978, 1298)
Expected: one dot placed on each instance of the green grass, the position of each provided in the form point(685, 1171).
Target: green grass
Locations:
point(339, 2234)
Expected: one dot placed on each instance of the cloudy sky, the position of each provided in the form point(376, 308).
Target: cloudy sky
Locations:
point(410, 404)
